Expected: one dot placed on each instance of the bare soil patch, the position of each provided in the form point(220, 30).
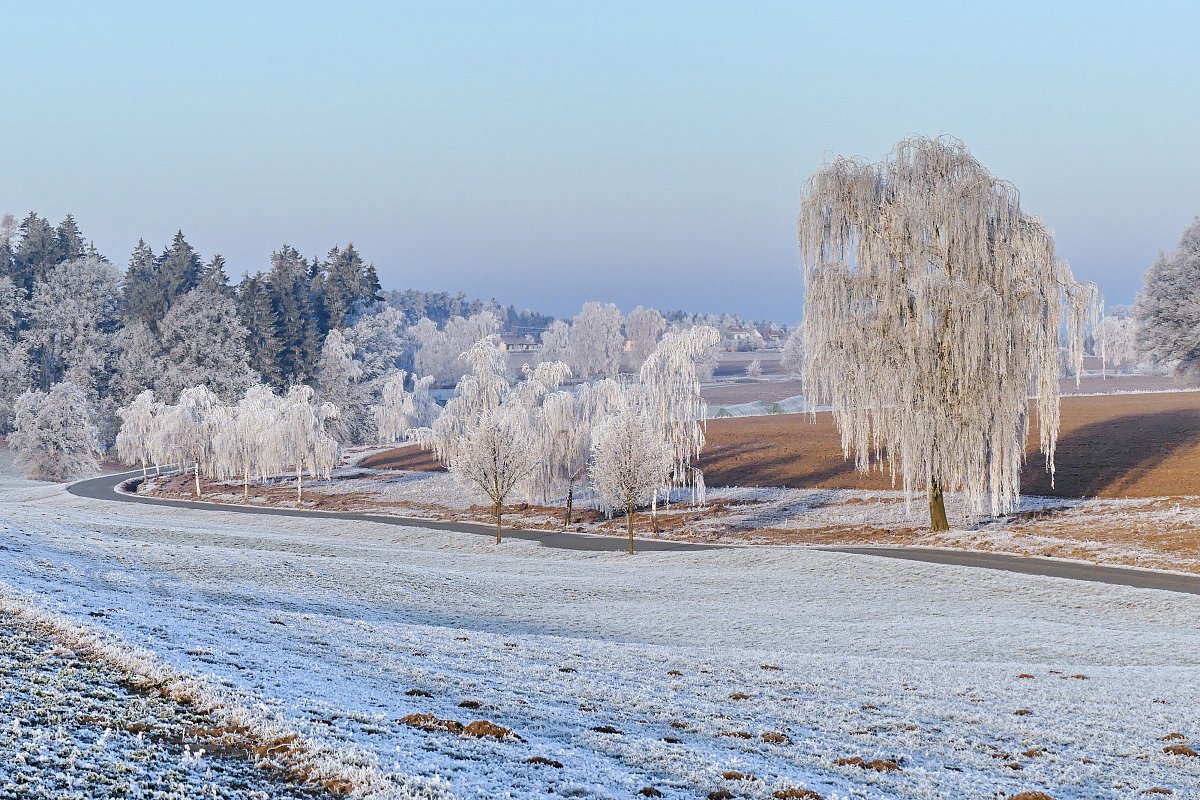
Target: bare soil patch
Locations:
point(1138, 445)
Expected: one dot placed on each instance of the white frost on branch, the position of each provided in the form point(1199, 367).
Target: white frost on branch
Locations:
point(401, 410)
point(140, 421)
point(644, 327)
point(630, 462)
point(934, 306)
point(596, 342)
point(54, 435)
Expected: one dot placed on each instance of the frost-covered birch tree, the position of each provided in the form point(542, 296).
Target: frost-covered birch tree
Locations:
point(630, 462)
point(488, 434)
point(556, 342)
point(140, 421)
point(792, 358)
point(1116, 340)
point(54, 436)
point(494, 458)
point(568, 420)
point(934, 307)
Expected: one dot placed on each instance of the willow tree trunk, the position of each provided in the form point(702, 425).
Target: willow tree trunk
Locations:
point(629, 525)
point(498, 509)
point(196, 471)
point(299, 485)
point(246, 486)
point(937, 508)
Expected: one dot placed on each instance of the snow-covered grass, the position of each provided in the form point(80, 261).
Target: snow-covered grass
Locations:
point(71, 730)
point(1157, 533)
point(343, 628)
point(70, 664)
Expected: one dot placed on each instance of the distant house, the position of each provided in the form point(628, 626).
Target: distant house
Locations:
point(519, 343)
point(743, 337)
point(773, 336)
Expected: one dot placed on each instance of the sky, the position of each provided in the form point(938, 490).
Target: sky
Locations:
point(547, 154)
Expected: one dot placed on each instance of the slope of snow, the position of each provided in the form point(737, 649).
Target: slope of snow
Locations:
point(333, 624)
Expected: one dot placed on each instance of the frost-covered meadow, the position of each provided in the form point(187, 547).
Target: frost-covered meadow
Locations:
point(657, 670)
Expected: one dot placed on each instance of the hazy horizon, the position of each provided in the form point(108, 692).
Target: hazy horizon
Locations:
point(548, 155)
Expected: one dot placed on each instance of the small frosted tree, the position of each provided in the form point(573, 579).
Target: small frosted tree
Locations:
point(630, 462)
point(494, 458)
point(754, 369)
point(568, 420)
point(934, 307)
point(299, 440)
point(140, 421)
point(1116, 339)
point(1168, 309)
point(792, 358)
point(54, 436)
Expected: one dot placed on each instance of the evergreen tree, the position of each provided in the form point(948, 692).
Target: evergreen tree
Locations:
point(258, 315)
point(37, 251)
point(179, 270)
point(69, 241)
point(297, 327)
point(214, 278)
point(141, 286)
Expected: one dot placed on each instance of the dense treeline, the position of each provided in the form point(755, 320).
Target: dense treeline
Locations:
point(173, 319)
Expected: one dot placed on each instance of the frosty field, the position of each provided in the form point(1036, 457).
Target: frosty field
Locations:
point(657, 670)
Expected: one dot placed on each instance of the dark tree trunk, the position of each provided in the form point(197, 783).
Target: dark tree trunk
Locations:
point(937, 509)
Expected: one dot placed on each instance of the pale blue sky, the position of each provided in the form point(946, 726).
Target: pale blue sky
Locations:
point(551, 153)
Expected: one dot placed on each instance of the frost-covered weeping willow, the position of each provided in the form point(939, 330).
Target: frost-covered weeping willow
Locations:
point(670, 394)
point(400, 410)
point(933, 310)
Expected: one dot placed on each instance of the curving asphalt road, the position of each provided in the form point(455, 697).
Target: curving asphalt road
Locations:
point(105, 488)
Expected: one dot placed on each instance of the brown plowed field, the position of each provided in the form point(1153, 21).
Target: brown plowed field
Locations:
point(1135, 445)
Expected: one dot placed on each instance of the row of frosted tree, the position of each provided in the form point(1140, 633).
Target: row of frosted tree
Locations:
point(630, 441)
point(262, 436)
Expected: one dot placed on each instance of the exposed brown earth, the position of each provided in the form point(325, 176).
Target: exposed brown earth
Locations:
point(1137, 445)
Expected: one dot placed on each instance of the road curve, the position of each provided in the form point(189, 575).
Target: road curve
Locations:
point(105, 488)
point(1032, 565)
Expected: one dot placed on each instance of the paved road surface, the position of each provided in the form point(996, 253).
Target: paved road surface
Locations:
point(104, 488)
